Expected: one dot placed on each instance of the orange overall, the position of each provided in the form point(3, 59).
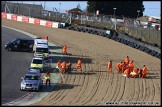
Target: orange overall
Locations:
point(144, 72)
point(127, 60)
point(64, 50)
point(46, 37)
point(63, 66)
point(110, 66)
point(118, 66)
point(59, 63)
point(123, 66)
point(79, 64)
point(131, 66)
point(127, 72)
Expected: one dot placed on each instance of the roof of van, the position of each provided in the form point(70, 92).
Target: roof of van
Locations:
point(39, 58)
point(42, 46)
point(25, 38)
point(41, 41)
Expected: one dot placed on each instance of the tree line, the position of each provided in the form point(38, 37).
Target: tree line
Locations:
point(131, 9)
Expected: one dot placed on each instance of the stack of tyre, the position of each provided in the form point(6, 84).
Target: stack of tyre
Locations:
point(114, 36)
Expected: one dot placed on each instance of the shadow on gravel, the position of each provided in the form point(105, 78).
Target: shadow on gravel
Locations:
point(63, 86)
point(57, 53)
point(152, 77)
point(82, 73)
point(151, 73)
point(55, 47)
point(72, 59)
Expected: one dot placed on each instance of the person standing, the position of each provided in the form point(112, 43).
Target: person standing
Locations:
point(110, 66)
point(79, 64)
point(63, 67)
point(144, 71)
point(47, 78)
point(131, 66)
point(58, 63)
point(140, 73)
point(127, 60)
point(64, 49)
point(69, 67)
point(123, 66)
point(118, 66)
point(127, 72)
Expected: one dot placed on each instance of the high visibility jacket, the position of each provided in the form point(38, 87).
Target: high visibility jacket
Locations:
point(79, 63)
point(58, 63)
point(109, 64)
point(118, 65)
point(63, 65)
point(127, 71)
point(127, 60)
point(47, 76)
point(144, 70)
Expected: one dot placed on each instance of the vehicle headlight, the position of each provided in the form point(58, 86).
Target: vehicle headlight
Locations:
point(23, 83)
point(5, 46)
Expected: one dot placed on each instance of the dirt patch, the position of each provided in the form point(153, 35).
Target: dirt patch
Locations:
point(95, 86)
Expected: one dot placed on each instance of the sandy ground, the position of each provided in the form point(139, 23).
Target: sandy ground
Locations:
point(95, 86)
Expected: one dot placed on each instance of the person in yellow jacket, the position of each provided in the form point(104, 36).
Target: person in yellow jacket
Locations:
point(47, 78)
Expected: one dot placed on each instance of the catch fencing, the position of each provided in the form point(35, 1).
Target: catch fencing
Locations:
point(122, 25)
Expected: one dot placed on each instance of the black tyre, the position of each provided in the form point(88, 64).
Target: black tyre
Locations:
point(9, 49)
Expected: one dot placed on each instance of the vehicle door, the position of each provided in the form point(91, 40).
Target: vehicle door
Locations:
point(47, 63)
point(15, 45)
point(24, 45)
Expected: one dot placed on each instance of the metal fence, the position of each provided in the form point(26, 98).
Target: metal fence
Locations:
point(128, 26)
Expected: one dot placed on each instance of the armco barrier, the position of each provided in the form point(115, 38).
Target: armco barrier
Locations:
point(30, 20)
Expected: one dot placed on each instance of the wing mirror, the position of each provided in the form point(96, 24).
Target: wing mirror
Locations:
point(22, 78)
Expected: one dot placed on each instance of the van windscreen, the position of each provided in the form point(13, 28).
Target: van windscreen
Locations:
point(44, 50)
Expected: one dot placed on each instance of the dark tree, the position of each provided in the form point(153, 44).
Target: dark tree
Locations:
point(123, 8)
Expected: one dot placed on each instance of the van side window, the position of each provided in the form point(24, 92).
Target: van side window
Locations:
point(17, 42)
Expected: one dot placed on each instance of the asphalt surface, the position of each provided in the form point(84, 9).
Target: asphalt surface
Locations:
point(14, 66)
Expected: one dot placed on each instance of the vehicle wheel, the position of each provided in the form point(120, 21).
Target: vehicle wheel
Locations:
point(9, 49)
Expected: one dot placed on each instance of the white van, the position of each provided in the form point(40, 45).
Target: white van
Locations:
point(41, 50)
point(39, 41)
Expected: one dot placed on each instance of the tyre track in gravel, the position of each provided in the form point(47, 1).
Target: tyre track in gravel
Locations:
point(124, 89)
point(64, 92)
point(97, 91)
point(150, 84)
point(66, 99)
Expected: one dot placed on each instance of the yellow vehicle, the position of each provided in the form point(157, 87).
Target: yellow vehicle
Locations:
point(39, 62)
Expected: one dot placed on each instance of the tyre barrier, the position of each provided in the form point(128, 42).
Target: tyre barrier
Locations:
point(116, 38)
